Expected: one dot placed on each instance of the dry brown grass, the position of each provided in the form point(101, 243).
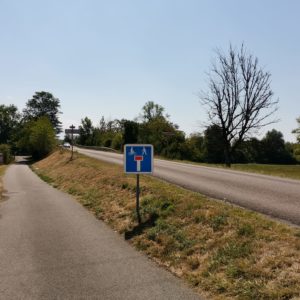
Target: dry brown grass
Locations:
point(2, 170)
point(225, 252)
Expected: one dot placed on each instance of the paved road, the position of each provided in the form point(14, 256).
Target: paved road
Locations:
point(274, 196)
point(52, 248)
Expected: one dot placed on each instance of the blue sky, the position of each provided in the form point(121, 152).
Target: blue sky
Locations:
point(110, 57)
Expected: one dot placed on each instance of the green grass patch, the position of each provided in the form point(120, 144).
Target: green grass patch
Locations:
point(223, 251)
point(285, 171)
point(46, 178)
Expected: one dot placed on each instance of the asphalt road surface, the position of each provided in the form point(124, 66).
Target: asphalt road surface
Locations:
point(53, 248)
point(273, 196)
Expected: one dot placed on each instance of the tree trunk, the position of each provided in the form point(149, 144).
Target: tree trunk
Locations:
point(227, 155)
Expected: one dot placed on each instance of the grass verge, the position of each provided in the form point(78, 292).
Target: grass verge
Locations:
point(285, 171)
point(223, 251)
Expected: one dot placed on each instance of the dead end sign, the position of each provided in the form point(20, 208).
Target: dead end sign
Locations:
point(138, 158)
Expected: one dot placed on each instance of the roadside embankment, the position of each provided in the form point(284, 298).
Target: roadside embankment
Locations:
point(2, 170)
point(225, 252)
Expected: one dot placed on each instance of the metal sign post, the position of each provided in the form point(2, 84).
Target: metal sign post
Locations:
point(138, 159)
point(72, 127)
point(72, 131)
point(138, 198)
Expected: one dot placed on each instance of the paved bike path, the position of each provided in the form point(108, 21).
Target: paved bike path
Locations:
point(53, 248)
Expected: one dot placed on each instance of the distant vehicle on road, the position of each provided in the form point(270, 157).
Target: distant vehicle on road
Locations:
point(67, 145)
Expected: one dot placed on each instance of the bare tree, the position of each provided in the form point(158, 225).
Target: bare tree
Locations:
point(239, 97)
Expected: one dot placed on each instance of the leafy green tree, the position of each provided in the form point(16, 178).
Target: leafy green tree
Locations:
point(131, 132)
point(9, 123)
point(173, 144)
point(193, 148)
point(42, 138)
point(86, 132)
point(117, 141)
point(151, 111)
point(108, 133)
point(296, 152)
point(159, 132)
point(43, 104)
point(293, 150)
point(274, 149)
point(297, 130)
point(213, 145)
point(251, 151)
point(38, 138)
point(156, 129)
point(6, 152)
point(296, 147)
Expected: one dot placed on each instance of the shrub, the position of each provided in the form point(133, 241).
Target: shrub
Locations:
point(6, 151)
point(38, 138)
point(117, 141)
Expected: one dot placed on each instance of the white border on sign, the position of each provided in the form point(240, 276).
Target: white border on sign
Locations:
point(138, 145)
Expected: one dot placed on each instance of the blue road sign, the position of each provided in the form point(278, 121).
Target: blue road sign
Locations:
point(138, 159)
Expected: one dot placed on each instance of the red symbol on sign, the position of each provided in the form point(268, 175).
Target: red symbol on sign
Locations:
point(138, 159)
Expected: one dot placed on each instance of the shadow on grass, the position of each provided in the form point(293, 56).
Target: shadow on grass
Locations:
point(139, 229)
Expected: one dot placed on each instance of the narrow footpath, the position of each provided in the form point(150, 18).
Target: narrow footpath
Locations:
point(53, 248)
